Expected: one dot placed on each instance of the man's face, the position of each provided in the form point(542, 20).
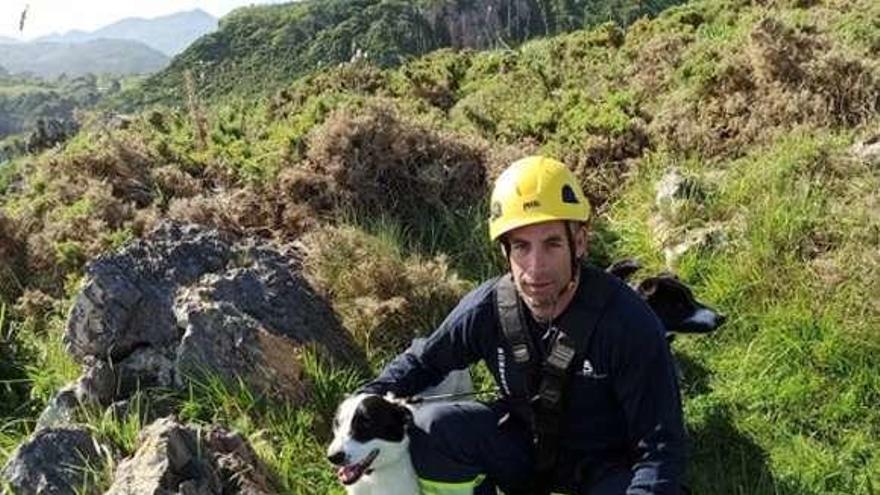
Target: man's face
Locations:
point(541, 265)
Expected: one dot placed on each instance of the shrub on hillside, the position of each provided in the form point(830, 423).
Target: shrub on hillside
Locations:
point(171, 181)
point(382, 297)
point(84, 220)
point(434, 78)
point(786, 77)
point(13, 256)
point(120, 159)
point(251, 210)
point(377, 162)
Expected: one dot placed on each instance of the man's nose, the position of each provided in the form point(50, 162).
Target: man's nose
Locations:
point(534, 261)
point(337, 458)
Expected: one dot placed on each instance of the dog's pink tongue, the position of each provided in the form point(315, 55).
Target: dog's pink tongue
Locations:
point(349, 474)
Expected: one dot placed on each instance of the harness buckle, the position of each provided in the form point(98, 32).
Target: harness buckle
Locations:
point(551, 395)
point(520, 353)
point(561, 354)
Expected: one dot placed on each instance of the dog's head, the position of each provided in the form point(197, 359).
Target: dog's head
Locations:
point(672, 301)
point(675, 305)
point(369, 433)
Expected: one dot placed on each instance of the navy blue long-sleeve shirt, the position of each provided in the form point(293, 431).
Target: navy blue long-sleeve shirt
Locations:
point(623, 398)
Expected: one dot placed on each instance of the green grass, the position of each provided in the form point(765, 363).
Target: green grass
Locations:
point(783, 399)
point(290, 439)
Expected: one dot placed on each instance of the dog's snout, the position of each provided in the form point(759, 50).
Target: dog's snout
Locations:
point(337, 458)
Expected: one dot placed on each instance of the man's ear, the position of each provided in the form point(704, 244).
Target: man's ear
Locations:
point(581, 239)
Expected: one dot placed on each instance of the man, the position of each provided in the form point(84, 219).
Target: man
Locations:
point(589, 400)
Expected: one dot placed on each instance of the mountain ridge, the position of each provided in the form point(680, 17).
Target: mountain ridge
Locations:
point(102, 56)
point(169, 34)
point(259, 49)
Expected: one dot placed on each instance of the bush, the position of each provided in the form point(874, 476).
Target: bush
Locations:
point(383, 298)
point(788, 76)
point(377, 162)
point(13, 272)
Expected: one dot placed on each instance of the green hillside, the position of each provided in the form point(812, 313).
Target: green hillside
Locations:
point(258, 50)
point(100, 56)
point(26, 100)
point(763, 106)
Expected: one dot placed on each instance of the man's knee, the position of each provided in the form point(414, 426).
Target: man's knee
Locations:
point(462, 441)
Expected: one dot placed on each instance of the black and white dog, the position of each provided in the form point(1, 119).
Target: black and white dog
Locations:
point(370, 446)
point(671, 300)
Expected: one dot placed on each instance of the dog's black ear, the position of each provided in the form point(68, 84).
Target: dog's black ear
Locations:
point(406, 415)
point(647, 287)
point(624, 268)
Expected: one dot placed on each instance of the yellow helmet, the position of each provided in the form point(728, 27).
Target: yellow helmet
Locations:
point(532, 190)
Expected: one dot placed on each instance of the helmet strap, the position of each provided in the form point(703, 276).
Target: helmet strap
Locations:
point(572, 282)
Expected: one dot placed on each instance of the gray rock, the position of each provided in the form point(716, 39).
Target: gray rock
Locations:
point(188, 299)
point(270, 290)
point(97, 385)
point(53, 461)
point(103, 314)
point(146, 367)
point(222, 341)
point(241, 469)
point(126, 302)
point(673, 191)
point(61, 409)
point(170, 459)
point(868, 151)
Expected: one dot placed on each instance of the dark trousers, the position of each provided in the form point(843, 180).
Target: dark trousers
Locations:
point(457, 443)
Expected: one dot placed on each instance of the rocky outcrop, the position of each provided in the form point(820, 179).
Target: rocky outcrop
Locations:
point(176, 458)
point(240, 469)
point(169, 460)
point(187, 301)
point(183, 303)
point(867, 151)
point(485, 24)
point(54, 461)
point(50, 131)
point(677, 198)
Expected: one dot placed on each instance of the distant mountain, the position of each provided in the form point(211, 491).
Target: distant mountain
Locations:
point(117, 57)
point(169, 34)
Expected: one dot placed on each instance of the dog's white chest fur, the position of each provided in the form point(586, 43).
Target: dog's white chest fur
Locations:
point(398, 479)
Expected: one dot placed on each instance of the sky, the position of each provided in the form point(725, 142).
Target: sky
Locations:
point(59, 16)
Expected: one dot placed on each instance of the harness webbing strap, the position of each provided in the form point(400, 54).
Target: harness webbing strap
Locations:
point(509, 313)
point(576, 327)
